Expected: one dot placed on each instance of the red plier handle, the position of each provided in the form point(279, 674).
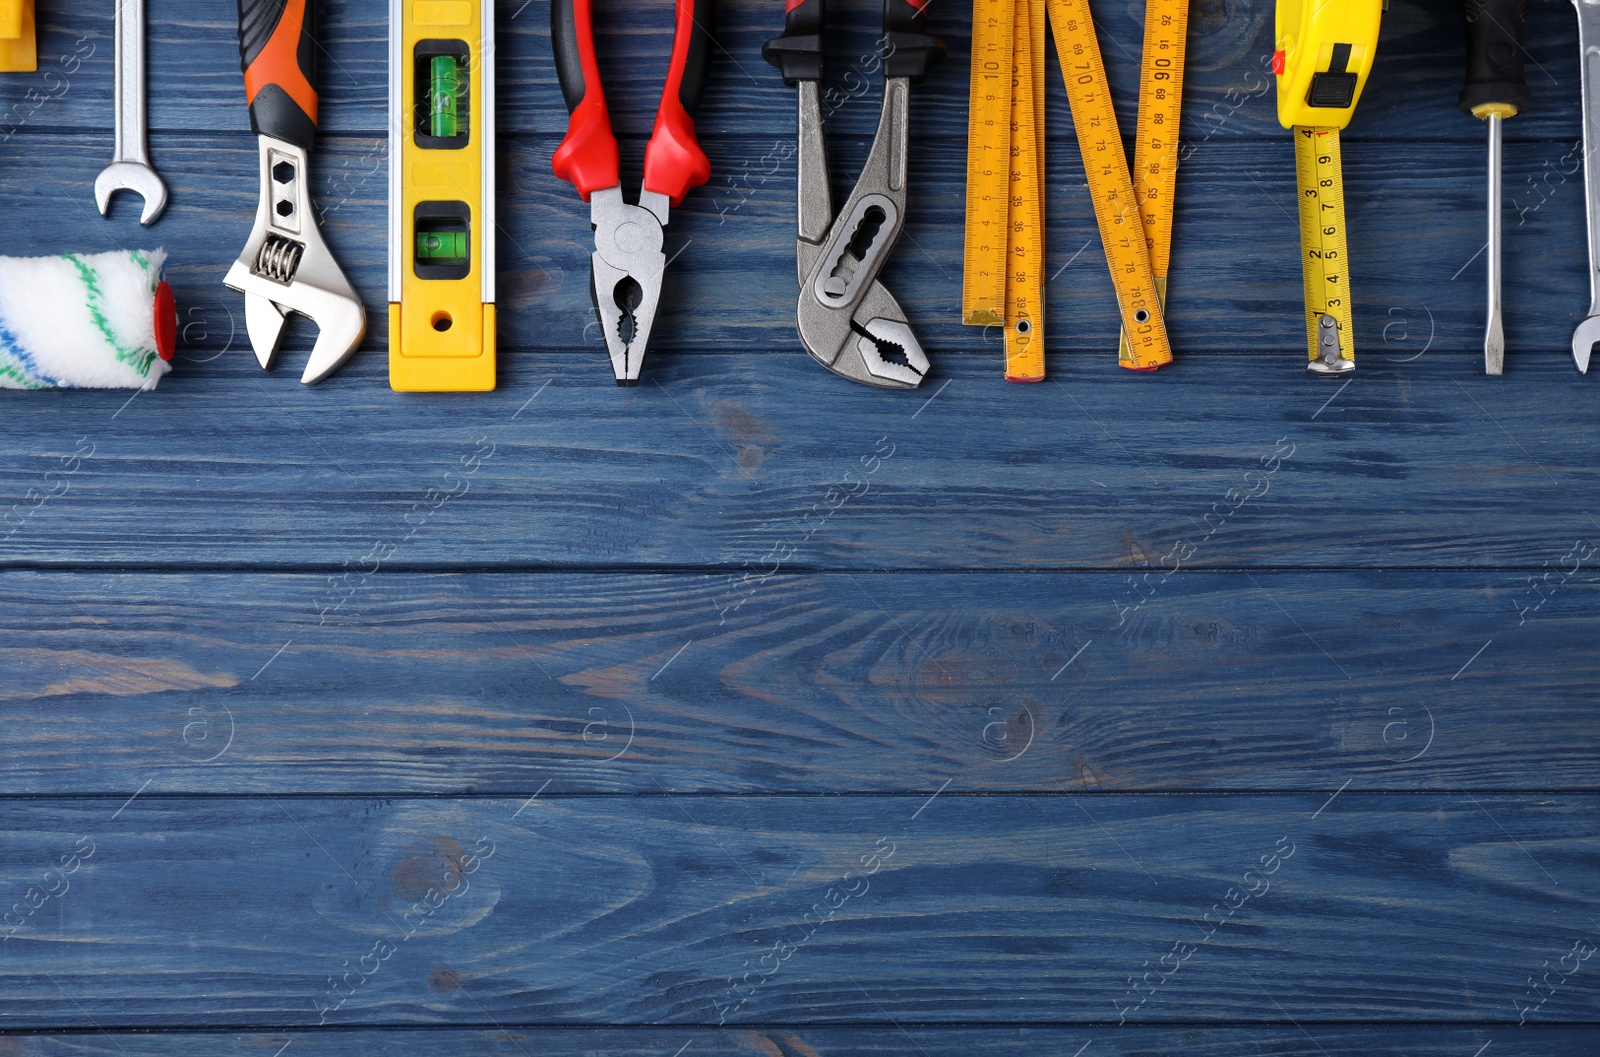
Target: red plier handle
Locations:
point(587, 157)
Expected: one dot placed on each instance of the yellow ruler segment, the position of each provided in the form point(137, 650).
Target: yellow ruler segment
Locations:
point(983, 279)
point(1003, 281)
point(1155, 152)
point(1319, 174)
point(1025, 246)
point(1105, 166)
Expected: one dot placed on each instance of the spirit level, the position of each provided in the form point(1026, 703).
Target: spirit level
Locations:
point(441, 195)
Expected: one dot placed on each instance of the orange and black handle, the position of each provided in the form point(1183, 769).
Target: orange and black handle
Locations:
point(278, 51)
point(587, 157)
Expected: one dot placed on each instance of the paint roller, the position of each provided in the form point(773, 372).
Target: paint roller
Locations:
point(86, 321)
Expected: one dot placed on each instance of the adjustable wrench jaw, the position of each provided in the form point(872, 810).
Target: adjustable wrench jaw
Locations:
point(625, 274)
point(847, 320)
point(286, 267)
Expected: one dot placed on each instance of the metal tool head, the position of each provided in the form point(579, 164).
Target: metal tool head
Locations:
point(881, 349)
point(131, 176)
point(286, 267)
point(625, 274)
point(1583, 340)
point(848, 321)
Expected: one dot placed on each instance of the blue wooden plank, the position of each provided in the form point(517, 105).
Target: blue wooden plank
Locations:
point(502, 684)
point(717, 460)
point(944, 910)
point(1316, 1040)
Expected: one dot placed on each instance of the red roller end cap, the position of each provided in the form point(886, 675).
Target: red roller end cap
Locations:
point(1278, 59)
point(166, 322)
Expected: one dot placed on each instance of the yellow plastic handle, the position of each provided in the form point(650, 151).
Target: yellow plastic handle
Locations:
point(1325, 51)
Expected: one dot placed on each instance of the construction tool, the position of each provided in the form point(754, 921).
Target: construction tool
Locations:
point(1588, 331)
point(1003, 255)
point(1155, 152)
point(1004, 251)
point(1325, 51)
point(86, 321)
point(130, 168)
point(847, 321)
point(628, 264)
point(285, 266)
point(1495, 89)
point(19, 41)
point(441, 196)
point(1105, 168)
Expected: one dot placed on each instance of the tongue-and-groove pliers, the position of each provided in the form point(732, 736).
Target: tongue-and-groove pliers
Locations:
point(628, 263)
point(848, 321)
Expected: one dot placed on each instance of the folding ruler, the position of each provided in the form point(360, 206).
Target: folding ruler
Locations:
point(1004, 250)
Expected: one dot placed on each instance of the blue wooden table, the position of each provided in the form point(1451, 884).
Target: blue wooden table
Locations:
point(751, 712)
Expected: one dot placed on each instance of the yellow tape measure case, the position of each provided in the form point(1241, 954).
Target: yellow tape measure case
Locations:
point(1324, 53)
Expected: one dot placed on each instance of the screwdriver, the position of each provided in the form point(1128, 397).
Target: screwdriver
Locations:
point(1494, 90)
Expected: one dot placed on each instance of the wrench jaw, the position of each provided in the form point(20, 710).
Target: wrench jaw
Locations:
point(1583, 339)
point(123, 175)
point(286, 267)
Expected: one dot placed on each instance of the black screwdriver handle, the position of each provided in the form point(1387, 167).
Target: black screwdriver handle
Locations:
point(1494, 57)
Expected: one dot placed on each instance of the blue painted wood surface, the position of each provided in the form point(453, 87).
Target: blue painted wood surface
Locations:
point(1090, 657)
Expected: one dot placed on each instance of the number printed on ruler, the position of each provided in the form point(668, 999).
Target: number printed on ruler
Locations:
point(1319, 174)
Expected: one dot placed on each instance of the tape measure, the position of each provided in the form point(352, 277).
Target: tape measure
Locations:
point(1325, 53)
point(1155, 152)
point(441, 196)
point(1003, 277)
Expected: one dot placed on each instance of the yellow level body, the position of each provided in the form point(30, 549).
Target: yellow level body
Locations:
point(1325, 52)
point(1155, 152)
point(441, 195)
point(19, 44)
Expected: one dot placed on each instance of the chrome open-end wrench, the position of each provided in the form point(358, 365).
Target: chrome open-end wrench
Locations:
point(130, 168)
point(1588, 331)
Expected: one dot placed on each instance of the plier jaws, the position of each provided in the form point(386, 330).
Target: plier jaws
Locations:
point(628, 263)
point(625, 273)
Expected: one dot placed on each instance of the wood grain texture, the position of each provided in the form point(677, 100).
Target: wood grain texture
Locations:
point(650, 910)
point(1317, 1040)
point(684, 657)
point(717, 460)
point(505, 684)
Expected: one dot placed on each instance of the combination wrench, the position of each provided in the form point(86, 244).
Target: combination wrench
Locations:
point(130, 168)
point(1588, 331)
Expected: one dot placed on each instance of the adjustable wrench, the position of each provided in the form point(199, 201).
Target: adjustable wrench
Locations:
point(130, 166)
point(1588, 331)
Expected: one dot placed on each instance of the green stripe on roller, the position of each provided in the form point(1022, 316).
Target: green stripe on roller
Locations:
point(139, 359)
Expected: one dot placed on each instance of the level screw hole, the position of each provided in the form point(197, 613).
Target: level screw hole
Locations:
point(441, 321)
